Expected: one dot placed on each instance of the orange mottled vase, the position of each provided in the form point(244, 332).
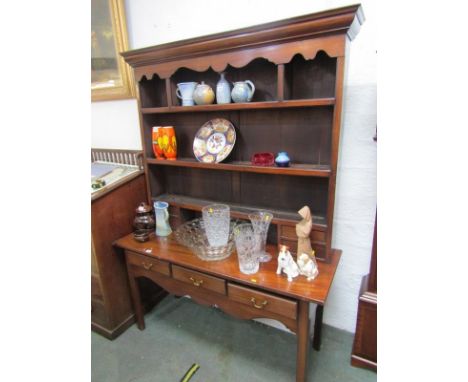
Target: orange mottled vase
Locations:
point(169, 142)
point(157, 140)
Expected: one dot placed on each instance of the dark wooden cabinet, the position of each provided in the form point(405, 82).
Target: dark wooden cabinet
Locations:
point(112, 214)
point(298, 68)
point(365, 340)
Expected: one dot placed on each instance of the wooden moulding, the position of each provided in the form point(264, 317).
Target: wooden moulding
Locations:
point(276, 41)
point(279, 54)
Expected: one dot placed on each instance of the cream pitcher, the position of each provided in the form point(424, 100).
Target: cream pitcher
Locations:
point(162, 219)
point(243, 91)
point(185, 91)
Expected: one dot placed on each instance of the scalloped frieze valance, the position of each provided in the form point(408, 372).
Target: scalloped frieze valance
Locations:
point(333, 46)
point(277, 42)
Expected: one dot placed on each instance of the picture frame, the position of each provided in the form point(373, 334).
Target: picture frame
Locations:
point(111, 77)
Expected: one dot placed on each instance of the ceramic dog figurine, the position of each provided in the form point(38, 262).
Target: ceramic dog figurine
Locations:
point(307, 266)
point(287, 264)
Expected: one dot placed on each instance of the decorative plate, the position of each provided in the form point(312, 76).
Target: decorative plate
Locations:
point(214, 141)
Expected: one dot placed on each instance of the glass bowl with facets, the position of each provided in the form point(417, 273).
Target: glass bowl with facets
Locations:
point(192, 235)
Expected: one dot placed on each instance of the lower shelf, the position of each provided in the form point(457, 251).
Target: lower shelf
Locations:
point(239, 211)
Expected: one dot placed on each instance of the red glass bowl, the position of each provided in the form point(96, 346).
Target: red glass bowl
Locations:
point(263, 159)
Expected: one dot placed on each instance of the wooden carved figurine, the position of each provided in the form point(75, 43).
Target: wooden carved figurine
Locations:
point(287, 264)
point(303, 229)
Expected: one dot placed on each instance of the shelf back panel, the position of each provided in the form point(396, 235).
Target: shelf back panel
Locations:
point(153, 92)
point(284, 193)
point(265, 191)
point(306, 79)
point(197, 183)
point(305, 133)
point(260, 71)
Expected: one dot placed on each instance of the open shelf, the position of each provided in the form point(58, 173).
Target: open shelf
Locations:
point(239, 211)
point(310, 79)
point(241, 106)
point(297, 69)
point(243, 166)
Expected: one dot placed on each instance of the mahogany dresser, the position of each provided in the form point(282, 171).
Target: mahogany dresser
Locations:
point(298, 68)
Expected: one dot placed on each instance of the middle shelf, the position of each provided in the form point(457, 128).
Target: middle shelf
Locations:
point(317, 102)
point(299, 169)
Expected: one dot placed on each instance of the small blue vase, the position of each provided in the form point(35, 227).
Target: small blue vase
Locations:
point(282, 159)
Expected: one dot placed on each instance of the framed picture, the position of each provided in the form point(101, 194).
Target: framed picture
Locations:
point(111, 77)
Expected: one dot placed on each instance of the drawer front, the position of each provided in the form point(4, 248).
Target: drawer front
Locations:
point(320, 249)
point(199, 280)
point(289, 232)
point(148, 263)
point(291, 244)
point(263, 301)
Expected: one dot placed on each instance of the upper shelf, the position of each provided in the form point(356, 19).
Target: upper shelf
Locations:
point(322, 171)
point(241, 106)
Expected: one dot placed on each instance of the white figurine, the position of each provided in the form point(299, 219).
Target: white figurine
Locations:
point(287, 264)
point(307, 266)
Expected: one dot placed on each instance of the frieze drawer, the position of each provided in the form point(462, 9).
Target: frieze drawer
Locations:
point(199, 280)
point(148, 263)
point(263, 301)
point(289, 232)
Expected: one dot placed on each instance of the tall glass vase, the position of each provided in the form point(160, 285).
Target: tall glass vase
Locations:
point(261, 222)
point(246, 246)
point(216, 218)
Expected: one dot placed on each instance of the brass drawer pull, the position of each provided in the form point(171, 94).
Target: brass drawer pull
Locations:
point(261, 306)
point(196, 282)
point(147, 266)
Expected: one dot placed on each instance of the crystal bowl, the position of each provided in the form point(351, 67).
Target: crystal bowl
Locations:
point(192, 235)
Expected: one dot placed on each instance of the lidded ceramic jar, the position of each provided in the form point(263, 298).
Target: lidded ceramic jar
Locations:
point(144, 220)
point(203, 94)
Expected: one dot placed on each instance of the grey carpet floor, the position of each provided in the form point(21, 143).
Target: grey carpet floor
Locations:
point(179, 333)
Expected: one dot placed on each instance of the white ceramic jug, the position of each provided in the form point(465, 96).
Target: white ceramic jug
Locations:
point(185, 92)
point(162, 219)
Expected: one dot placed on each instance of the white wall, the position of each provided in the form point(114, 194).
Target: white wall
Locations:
point(115, 124)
